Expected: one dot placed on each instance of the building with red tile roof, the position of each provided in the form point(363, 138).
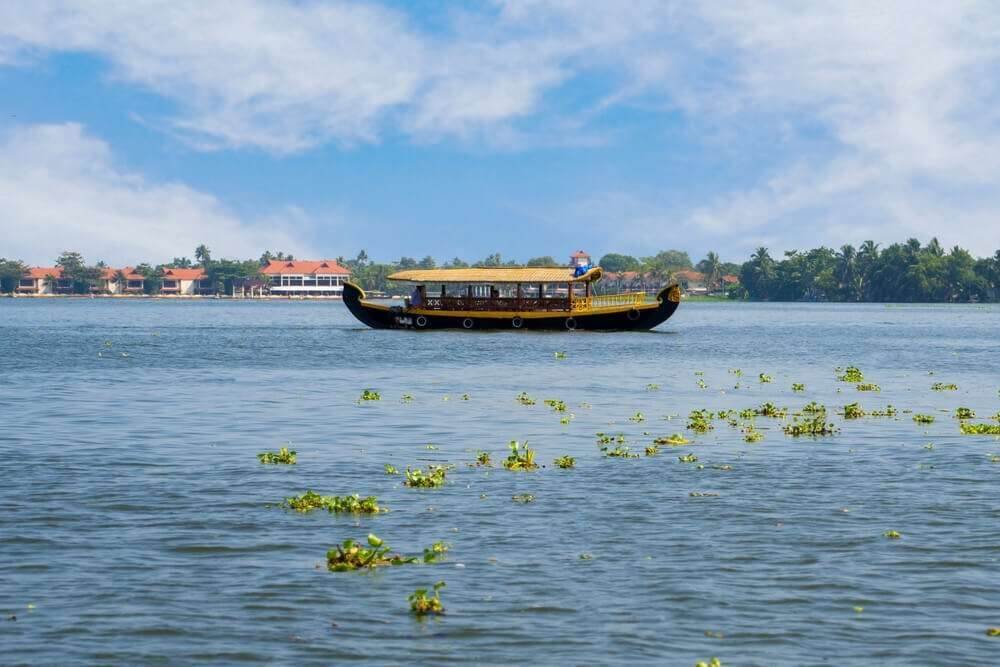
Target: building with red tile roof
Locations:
point(322, 277)
point(185, 282)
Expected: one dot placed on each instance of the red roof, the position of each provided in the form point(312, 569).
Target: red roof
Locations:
point(184, 274)
point(730, 278)
point(578, 254)
point(37, 272)
point(303, 267)
point(689, 275)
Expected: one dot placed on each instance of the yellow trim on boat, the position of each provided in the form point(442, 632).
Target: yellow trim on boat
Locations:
point(527, 315)
point(497, 275)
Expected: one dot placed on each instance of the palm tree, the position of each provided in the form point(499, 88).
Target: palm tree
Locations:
point(203, 255)
point(122, 280)
point(712, 268)
point(846, 272)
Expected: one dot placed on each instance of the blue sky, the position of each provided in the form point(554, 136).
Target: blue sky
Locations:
point(134, 131)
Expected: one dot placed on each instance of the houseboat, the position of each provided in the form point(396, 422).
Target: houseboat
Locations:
point(554, 298)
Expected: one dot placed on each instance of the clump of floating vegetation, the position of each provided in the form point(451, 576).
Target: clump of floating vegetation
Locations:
point(607, 439)
point(355, 504)
point(652, 450)
point(889, 411)
point(980, 429)
point(813, 408)
point(434, 477)
point(764, 378)
point(521, 457)
point(851, 374)
point(798, 386)
point(892, 534)
point(524, 399)
point(687, 458)
point(869, 387)
point(390, 469)
point(700, 421)
point(351, 555)
point(810, 426)
point(422, 603)
point(923, 419)
point(652, 387)
point(619, 452)
point(523, 498)
point(736, 371)
point(637, 418)
point(770, 410)
point(370, 395)
point(703, 494)
point(560, 355)
point(711, 662)
point(567, 419)
point(284, 456)
point(702, 384)
point(674, 440)
point(465, 397)
point(406, 398)
point(965, 413)
point(751, 434)
point(565, 461)
point(853, 411)
point(993, 632)
point(483, 459)
point(943, 386)
point(557, 405)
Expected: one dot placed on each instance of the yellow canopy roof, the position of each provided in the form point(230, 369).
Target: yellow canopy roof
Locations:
point(497, 275)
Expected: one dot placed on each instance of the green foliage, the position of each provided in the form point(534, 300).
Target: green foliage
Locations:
point(422, 603)
point(616, 263)
point(406, 398)
point(637, 418)
point(853, 411)
point(652, 450)
point(964, 413)
point(711, 662)
point(869, 387)
point(815, 426)
point(436, 551)
point(764, 378)
point(560, 355)
point(565, 461)
point(557, 405)
point(282, 456)
point(889, 411)
point(351, 555)
point(851, 374)
point(796, 386)
point(923, 419)
point(942, 386)
point(10, 273)
point(700, 421)
point(652, 387)
point(751, 434)
point(483, 459)
point(674, 440)
point(433, 478)
point(370, 395)
point(521, 457)
point(980, 429)
point(687, 458)
point(390, 469)
point(813, 407)
point(892, 534)
point(523, 498)
point(545, 260)
point(353, 504)
point(619, 452)
point(770, 410)
point(606, 439)
point(524, 399)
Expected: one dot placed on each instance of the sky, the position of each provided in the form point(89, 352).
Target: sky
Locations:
point(134, 131)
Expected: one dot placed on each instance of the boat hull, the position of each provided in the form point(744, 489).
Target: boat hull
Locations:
point(625, 318)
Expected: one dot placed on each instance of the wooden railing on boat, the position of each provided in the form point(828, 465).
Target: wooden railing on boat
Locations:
point(532, 304)
point(609, 300)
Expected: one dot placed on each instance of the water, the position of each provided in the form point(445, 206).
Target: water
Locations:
point(137, 528)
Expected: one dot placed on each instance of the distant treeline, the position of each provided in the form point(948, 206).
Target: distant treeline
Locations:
point(901, 272)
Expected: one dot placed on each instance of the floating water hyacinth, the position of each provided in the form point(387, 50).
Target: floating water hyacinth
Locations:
point(869, 387)
point(434, 477)
point(652, 387)
point(567, 419)
point(565, 462)
point(813, 408)
point(390, 469)
point(560, 355)
point(853, 411)
point(687, 458)
point(942, 386)
point(674, 440)
point(700, 421)
point(465, 397)
point(523, 498)
point(701, 384)
point(370, 395)
point(637, 417)
point(354, 504)
point(406, 398)
point(483, 459)
point(923, 419)
point(964, 413)
point(607, 439)
point(524, 399)
point(282, 456)
point(711, 662)
point(770, 410)
point(810, 426)
point(764, 378)
point(351, 555)
point(521, 457)
point(652, 450)
point(797, 386)
point(993, 632)
point(889, 411)
point(851, 374)
point(422, 603)
point(980, 429)
point(751, 434)
point(892, 534)
point(736, 371)
point(557, 405)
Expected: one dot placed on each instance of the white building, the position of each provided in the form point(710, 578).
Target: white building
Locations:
point(306, 277)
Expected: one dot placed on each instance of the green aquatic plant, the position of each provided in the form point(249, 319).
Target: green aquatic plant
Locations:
point(851, 374)
point(869, 387)
point(565, 461)
point(432, 448)
point(711, 662)
point(560, 355)
point(797, 386)
point(282, 456)
point(814, 408)
point(751, 434)
point(964, 413)
point(354, 504)
point(700, 421)
point(994, 458)
point(687, 458)
point(523, 498)
point(436, 551)
point(993, 632)
point(652, 387)
point(770, 410)
point(521, 457)
point(483, 459)
point(853, 411)
point(390, 469)
point(567, 419)
point(422, 603)
point(980, 429)
point(923, 419)
point(351, 555)
point(434, 477)
point(652, 450)
point(942, 386)
point(674, 440)
point(370, 395)
point(619, 452)
point(524, 399)
point(637, 418)
point(892, 534)
point(607, 439)
point(406, 398)
point(557, 405)
point(465, 397)
point(764, 378)
point(889, 411)
point(810, 426)
point(701, 384)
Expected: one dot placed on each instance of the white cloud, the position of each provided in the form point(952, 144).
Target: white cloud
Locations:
point(61, 190)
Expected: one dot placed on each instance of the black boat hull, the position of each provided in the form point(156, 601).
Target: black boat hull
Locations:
point(642, 318)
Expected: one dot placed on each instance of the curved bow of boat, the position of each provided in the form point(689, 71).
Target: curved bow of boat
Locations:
point(375, 316)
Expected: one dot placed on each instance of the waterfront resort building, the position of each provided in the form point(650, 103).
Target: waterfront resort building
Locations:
point(306, 277)
point(44, 280)
point(185, 282)
point(111, 282)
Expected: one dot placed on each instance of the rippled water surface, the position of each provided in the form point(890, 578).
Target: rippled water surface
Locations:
point(138, 526)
